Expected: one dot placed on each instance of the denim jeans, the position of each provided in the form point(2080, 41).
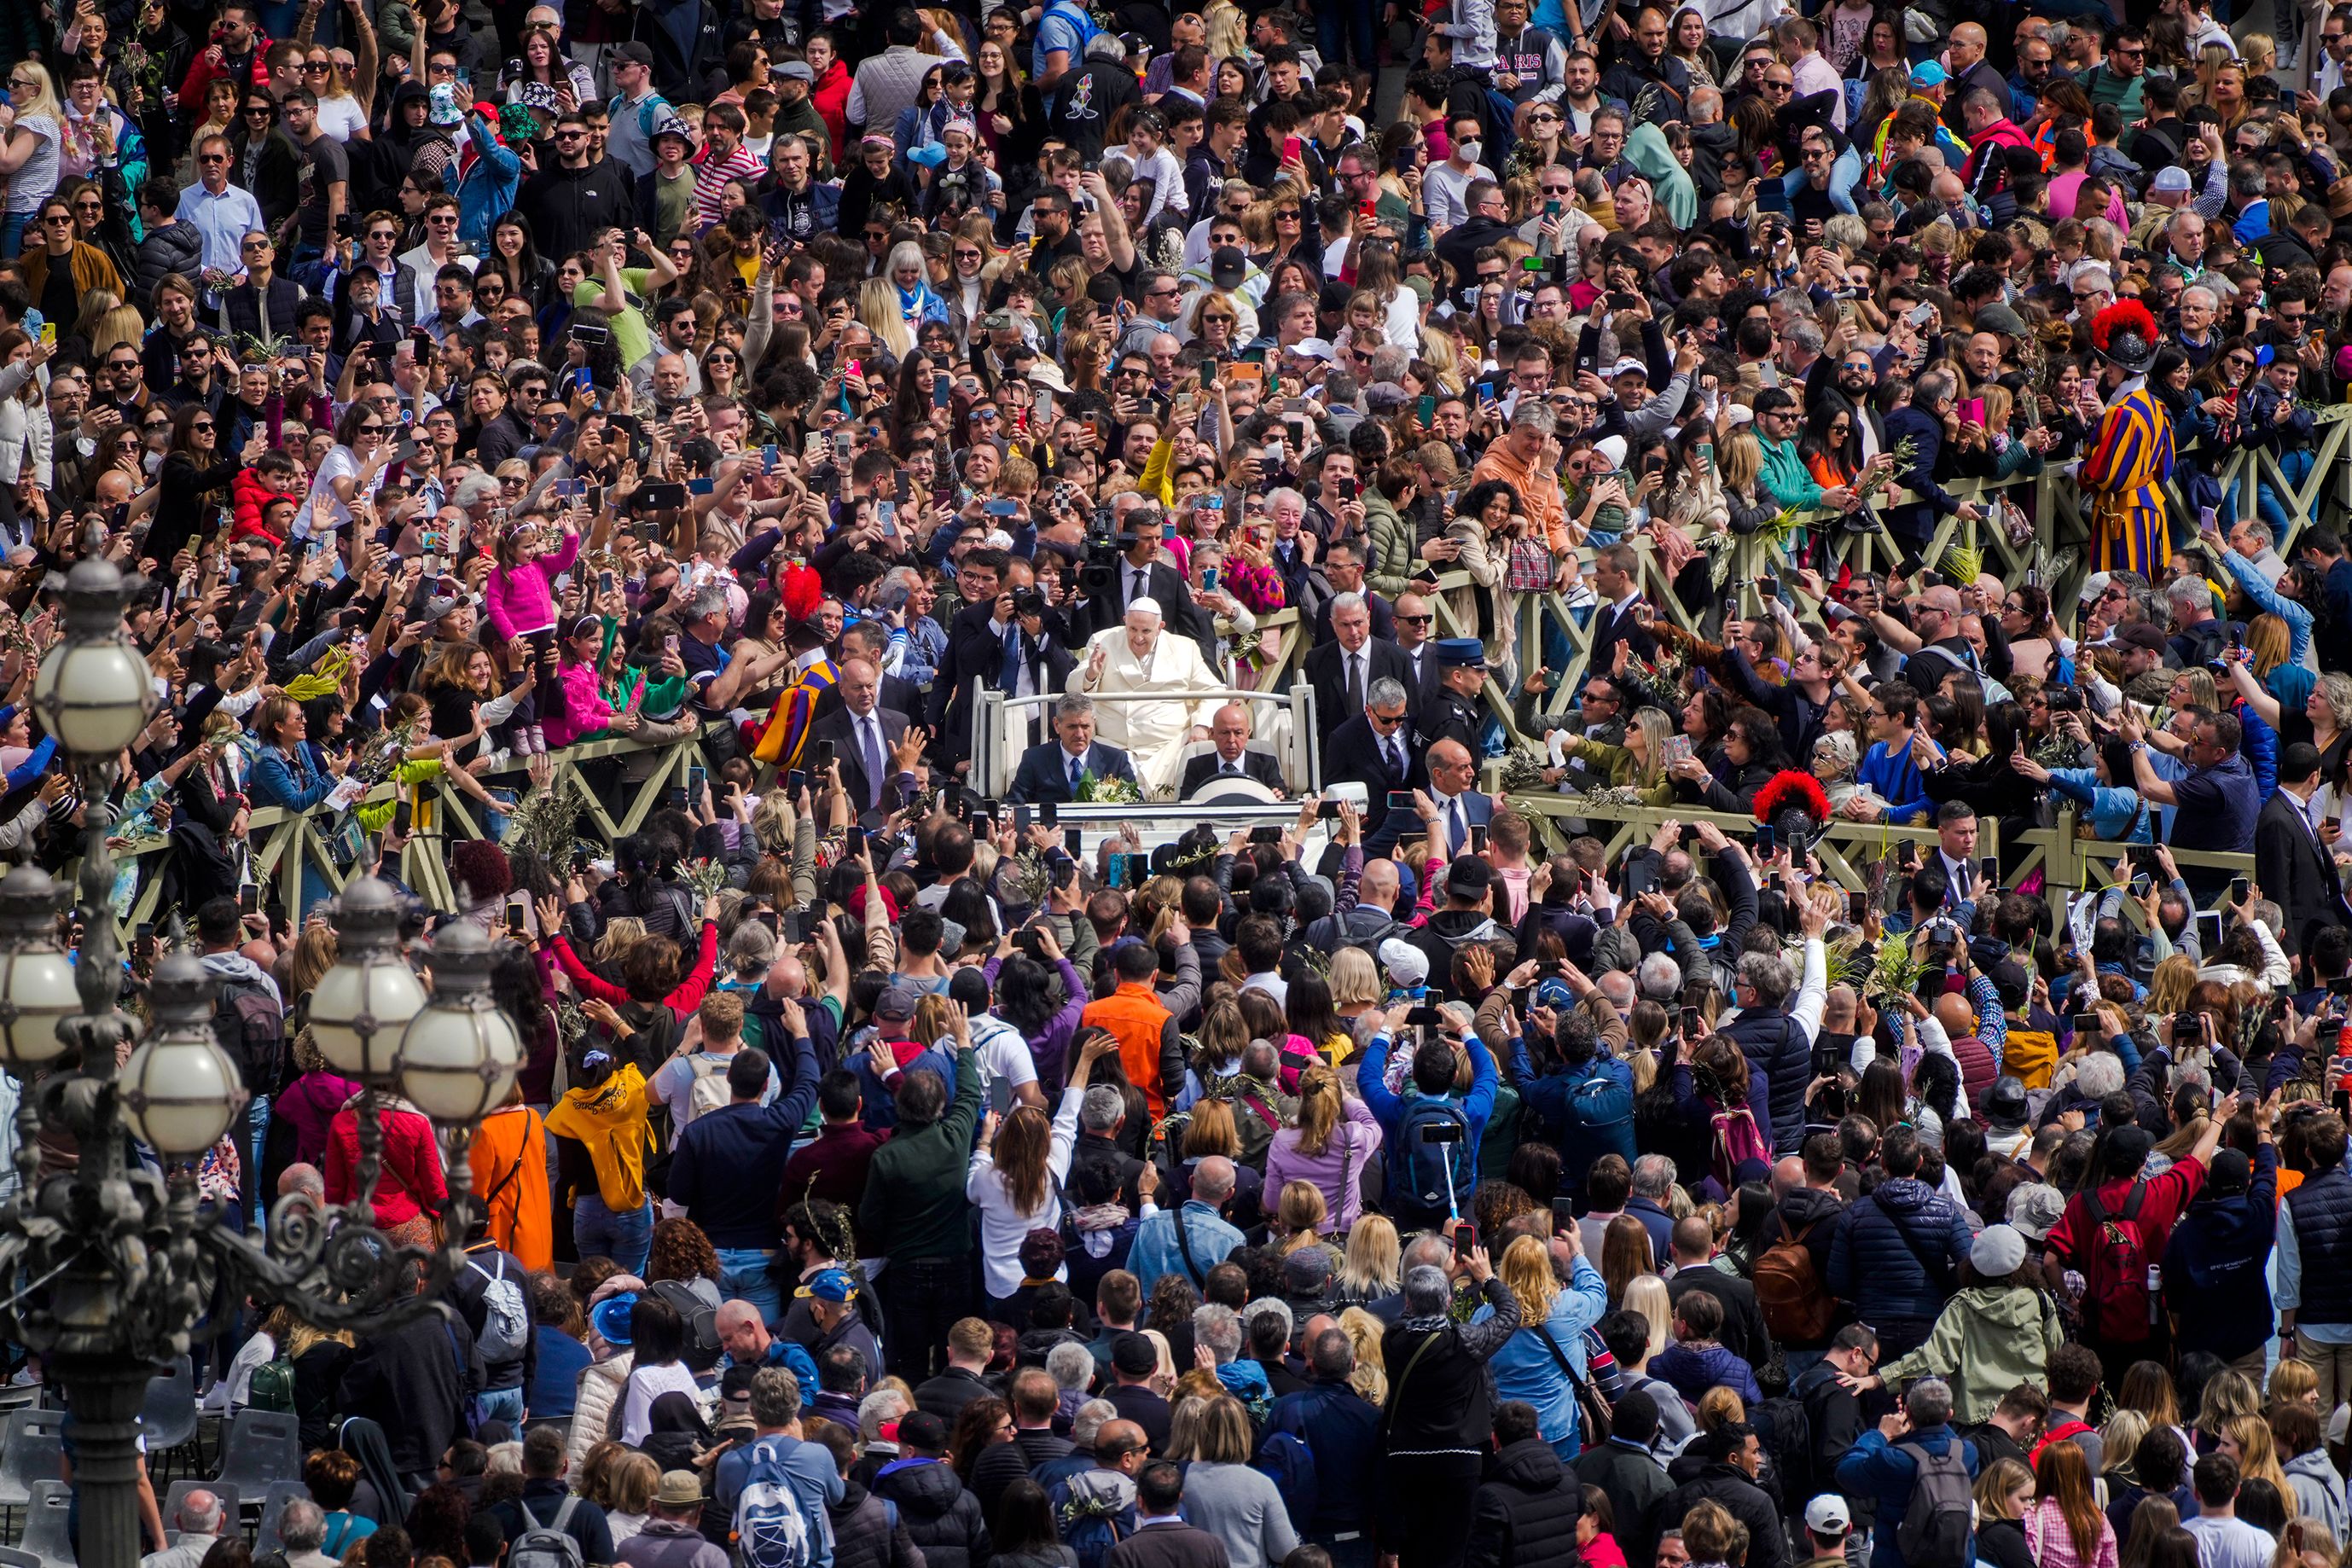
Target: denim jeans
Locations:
point(499, 1405)
point(747, 1274)
point(1337, 26)
point(11, 241)
point(2294, 466)
point(625, 1239)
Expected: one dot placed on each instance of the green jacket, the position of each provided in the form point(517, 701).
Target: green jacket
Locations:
point(914, 1206)
point(1989, 1338)
point(1786, 478)
point(1618, 762)
point(1393, 561)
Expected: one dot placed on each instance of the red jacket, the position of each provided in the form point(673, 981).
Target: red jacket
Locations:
point(208, 64)
point(1988, 176)
point(410, 1184)
point(249, 493)
point(682, 1000)
point(831, 95)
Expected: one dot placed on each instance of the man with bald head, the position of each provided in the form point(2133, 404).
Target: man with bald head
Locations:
point(865, 737)
point(1207, 1238)
point(1229, 732)
point(1970, 72)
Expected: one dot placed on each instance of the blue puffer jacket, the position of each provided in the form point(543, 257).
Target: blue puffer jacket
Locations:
point(1781, 1059)
point(1873, 1468)
point(1898, 1252)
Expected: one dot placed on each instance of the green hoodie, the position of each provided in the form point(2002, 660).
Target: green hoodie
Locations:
point(1785, 478)
point(1989, 1338)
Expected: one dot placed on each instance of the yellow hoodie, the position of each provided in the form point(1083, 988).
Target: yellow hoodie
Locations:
point(611, 1120)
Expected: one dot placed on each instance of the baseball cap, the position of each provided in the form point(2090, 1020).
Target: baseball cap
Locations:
point(1927, 73)
point(1134, 1355)
point(1311, 348)
point(896, 1002)
point(830, 1285)
point(2173, 180)
point(1407, 965)
point(2141, 635)
point(1828, 1515)
point(921, 1429)
point(1629, 365)
point(634, 54)
point(1467, 876)
point(1999, 1251)
point(446, 604)
point(1228, 267)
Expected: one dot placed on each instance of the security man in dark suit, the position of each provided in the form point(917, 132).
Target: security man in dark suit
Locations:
point(1379, 749)
point(2291, 867)
point(1229, 727)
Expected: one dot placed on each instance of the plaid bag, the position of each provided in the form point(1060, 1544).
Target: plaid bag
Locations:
point(1531, 567)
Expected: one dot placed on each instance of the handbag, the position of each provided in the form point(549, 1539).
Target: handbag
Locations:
point(1593, 1416)
point(1531, 570)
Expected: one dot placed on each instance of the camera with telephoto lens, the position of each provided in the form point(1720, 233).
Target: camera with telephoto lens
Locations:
point(1104, 545)
point(1028, 602)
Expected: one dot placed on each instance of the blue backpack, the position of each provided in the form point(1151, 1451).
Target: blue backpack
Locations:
point(1089, 1528)
point(1283, 1459)
point(1425, 1165)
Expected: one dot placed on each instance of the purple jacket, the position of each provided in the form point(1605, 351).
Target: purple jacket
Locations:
point(310, 1102)
point(1051, 1047)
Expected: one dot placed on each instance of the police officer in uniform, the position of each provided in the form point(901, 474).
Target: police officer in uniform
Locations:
point(1453, 711)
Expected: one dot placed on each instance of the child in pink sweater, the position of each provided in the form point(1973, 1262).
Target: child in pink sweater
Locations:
point(520, 603)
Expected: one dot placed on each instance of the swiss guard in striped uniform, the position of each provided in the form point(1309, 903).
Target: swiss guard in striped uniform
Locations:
point(2124, 470)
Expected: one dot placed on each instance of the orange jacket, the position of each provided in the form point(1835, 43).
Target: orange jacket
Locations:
point(509, 1163)
point(1148, 1043)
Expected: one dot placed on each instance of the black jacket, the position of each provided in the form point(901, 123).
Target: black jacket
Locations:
point(1093, 1150)
point(1633, 1484)
point(1524, 1514)
point(864, 1535)
point(1747, 1503)
point(1743, 1320)
point(174, 247)
point(937, 1514)
point(568, 206)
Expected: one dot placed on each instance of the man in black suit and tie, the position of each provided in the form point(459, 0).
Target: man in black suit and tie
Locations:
point(1230, 728)
point(1616, 582)
point(1051, 771)
point(1343, 568)
point(1376, 749)
point(1143, 575)
point(870, 640)
point(1416, 638)
point(864, 735)
point(2291, 867)
point(1161, 1538)
point(1343, 669)
point(975, 652)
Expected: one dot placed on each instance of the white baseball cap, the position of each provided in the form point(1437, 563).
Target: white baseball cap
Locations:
point(1828, 1515)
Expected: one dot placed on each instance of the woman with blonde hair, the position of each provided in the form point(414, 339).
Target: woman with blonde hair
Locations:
point(1640, 763)
point(1368, 1269)
point(1366, 1333)
point(2003, 1492)
point(1213, 323)
point(1534, 1363)
point(1356, 988)
point(2247, 1439)
point(878, 309)
point(1017, 1173)
point(1740, 468)
point(1300, 1218)
point(1330, 1146)
point(1647, 1294)
point(26, 435)
point(2065, 1528)
point(30, 144)
point(1237, 1504)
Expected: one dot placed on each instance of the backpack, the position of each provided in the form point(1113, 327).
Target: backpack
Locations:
point(2066, 1431)
point(272, 1387)
point(1736, 1141)
point(1283, 1459)
point(1788, 1289)
point(2031, 1057)
point(1089, 1529)
point(2116, 1304)
point(506, 1321)
point(1436, 1176)
point(546, 1545)
point(251, 1026)
point(708, 1091)
point(770, 1530)
point(1935, 1526)
point(1786, 1434)
point(701, 1321)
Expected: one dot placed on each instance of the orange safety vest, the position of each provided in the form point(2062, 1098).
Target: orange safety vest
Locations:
point(1136, 1020)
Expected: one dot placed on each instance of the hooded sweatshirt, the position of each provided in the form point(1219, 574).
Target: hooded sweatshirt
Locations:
point(610, 1121)
point(1989, 1338)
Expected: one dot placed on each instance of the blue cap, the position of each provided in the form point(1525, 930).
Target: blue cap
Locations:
point(1927, 73)
point(1462, 653)
point(1553, 992)
point(830, 1285)
point(610, 1317)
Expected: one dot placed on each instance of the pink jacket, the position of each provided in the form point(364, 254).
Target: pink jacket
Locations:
point(585, 708)
point(521, 599)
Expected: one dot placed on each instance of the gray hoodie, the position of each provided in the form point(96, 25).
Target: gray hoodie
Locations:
point(2318, 1490)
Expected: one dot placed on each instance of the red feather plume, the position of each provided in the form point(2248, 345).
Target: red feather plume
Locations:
point(2124, 315)
point(1792, 789)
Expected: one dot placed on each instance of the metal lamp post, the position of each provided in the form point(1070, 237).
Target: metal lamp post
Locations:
point(108, 1267)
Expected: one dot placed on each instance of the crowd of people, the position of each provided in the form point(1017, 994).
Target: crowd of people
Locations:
point(1415, 1184)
